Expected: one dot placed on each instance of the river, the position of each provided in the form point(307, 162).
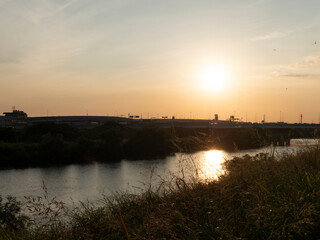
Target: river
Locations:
point(76, 183)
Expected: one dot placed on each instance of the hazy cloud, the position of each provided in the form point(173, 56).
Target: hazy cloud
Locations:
point(299, 75)
point(272, 35)
point(308, 62)
point(279, 34)
point(304, 69)
point(305, 63)
point(66, 5)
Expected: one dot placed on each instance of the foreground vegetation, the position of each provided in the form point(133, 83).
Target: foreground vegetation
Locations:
point(258, 197)
point(58, 144)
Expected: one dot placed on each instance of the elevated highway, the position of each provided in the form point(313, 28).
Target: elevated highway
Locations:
point(91, 121)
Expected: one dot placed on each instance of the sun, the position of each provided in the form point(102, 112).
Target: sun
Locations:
point(214, 78)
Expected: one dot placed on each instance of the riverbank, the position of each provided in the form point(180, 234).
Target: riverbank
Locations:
point(259, 197)
point(51, 144)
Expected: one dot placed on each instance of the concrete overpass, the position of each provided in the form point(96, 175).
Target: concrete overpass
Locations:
point(91, 121)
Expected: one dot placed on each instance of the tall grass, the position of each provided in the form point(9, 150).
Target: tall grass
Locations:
point(257, 197)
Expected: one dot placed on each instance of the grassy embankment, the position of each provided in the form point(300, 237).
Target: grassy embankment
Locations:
point(258, 198)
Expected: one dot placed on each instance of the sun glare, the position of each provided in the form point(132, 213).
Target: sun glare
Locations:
point(214, 78)
point(212, 164)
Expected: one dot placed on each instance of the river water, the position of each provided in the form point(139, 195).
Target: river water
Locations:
point(76, 183)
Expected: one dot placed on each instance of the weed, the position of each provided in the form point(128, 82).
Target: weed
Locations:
point(257, 197)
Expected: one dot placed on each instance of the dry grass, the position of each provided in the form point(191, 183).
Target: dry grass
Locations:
point(257, 198)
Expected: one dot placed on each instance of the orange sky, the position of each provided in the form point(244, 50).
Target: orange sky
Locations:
point(108, 57)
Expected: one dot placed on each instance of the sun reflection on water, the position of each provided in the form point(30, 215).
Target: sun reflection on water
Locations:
point(212, 164)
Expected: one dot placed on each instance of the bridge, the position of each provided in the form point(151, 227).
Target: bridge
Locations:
point(91, 121)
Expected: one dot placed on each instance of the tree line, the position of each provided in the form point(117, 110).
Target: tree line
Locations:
point(47, 144)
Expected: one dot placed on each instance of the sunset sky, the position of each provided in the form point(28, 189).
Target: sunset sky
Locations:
point(156, 57)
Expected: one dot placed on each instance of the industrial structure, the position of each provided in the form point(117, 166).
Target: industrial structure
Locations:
point(16, 118)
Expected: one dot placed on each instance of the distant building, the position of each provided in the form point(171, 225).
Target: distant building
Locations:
point(233, 118)
point(15, 118)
